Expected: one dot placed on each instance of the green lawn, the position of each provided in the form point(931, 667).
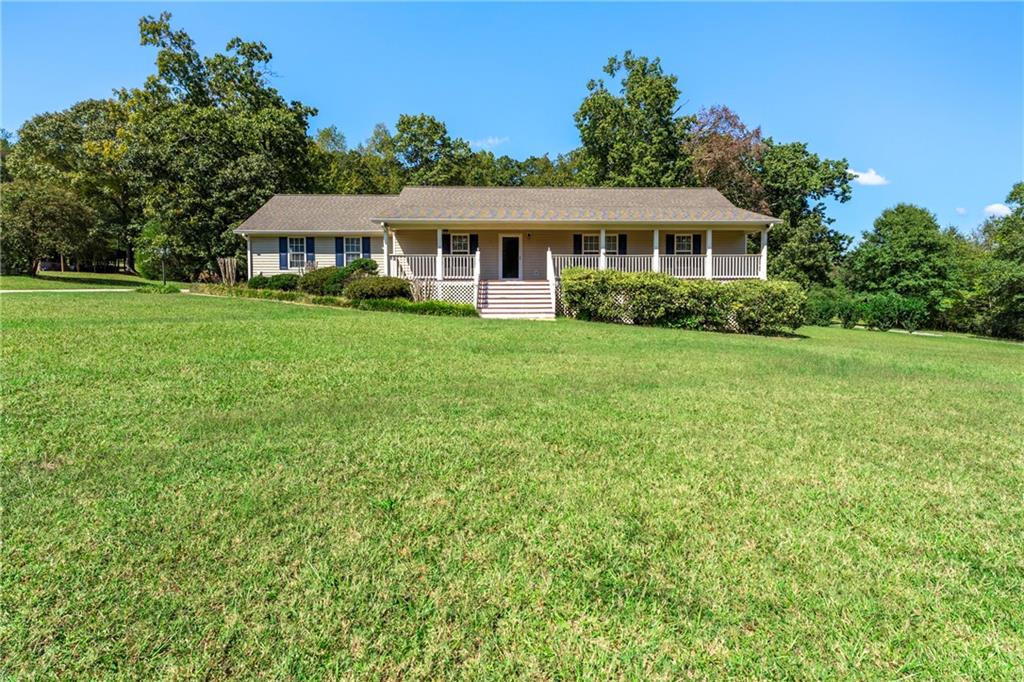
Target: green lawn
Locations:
point(203, 487)
point(72, 280)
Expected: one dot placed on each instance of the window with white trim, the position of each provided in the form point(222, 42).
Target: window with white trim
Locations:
point(592, 243)
point(460, 243)
point(296, 253)
point(353, 249)
point(684, 243)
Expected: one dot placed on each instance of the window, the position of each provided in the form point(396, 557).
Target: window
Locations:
point(296, 253)
point(592, 243)
point(460, 243)
point(353, 249)
point(684, 243)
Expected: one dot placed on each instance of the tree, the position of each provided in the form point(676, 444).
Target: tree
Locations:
point(907, 253)
point(726, 155)
point(634, 138)
point(212, 141)
point(428, 154)
point(40, 220)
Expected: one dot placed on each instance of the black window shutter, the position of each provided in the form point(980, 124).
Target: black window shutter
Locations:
point(670, 244)
point(339, 251)
point(696, 244)
point(446, 242)
point(366, 247)
point(474, 243)
point(282, 252)
point(310, 249)
point(577, 244)
point(622, 245)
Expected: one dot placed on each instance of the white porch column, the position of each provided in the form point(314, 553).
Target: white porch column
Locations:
point(763, 272)
point(708, 258)
point(439, 265)
point(656, 258)
point(601, 259)
point(387, 250)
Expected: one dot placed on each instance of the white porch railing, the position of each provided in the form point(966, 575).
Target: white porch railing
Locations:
point(415, 266)
point(631, 263)
point(685, 266)
point(564, 261)
point(457, 266)
point(736, 266)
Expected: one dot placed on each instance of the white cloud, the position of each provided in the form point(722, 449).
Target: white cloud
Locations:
point(868, 177)
point(997, 210)
point(961, 211)
point(489, 142)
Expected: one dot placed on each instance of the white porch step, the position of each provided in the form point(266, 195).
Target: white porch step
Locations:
point(515, 300)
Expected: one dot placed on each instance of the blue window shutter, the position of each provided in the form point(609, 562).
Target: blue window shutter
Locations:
point(622, 244)
point(446, 242)
point(696, 244)
point(310, 249)
point(577, 244)
point(670, 244)
point(282, 252)
point(474, 243)
point(339, 251)
point(366, 247)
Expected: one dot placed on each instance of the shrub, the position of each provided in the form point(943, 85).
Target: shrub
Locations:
point(912, 313)
point(848, 310)
point(283, 282)
point(378, 287)
point(765, 307)
point(402, 305)
point(823, 305)
point(158, 289)
point(881, 311)
point(331, 281)
point(258, 282)
point(651, 298)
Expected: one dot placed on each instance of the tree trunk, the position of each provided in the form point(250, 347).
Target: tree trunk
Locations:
point(62, 262)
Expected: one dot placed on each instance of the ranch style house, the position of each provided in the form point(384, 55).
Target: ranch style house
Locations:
point(503, 249)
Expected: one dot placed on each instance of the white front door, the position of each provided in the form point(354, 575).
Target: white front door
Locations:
point(510, 256)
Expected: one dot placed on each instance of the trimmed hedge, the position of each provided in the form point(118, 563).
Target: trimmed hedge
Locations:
point(401, 305)
point(331, 281)
point(286, 281)
point(650, 298)
point(378, 287)
point(158, 289)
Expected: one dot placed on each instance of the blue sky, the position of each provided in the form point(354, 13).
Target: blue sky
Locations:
point(930, 96)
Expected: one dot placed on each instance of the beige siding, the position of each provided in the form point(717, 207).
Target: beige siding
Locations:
point(266, 260)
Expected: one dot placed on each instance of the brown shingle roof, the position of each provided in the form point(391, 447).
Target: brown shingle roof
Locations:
point(331, 213)
point(341, 213)
point(583, 204)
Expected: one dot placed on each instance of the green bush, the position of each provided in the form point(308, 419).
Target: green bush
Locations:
point(912, 313)
point(402, 305)
point(650, 298)
point(331, 281)
point(158, 289)
point(848, 310)
point(284, 282)
point(258, 282)
point(881, 311)
point(378, 287)
point(823, 305)
point(765, 307)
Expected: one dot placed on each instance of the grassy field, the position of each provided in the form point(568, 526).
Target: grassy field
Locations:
point(202, 487)
point(72, 280)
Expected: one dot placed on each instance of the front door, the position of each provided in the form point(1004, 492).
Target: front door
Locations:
point(510, 257)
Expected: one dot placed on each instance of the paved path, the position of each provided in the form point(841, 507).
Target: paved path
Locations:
point(62, 291)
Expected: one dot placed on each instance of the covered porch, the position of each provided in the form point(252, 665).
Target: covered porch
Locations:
point(473, 254)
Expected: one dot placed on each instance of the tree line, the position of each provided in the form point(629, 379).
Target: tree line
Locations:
point(173, 165)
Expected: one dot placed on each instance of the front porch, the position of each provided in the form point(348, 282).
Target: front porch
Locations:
point(718, 254)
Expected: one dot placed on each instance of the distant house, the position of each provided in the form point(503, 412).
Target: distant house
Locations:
point(503, 248)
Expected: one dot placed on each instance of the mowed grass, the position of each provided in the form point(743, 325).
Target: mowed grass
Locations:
point(73, 280)
point(202, 487)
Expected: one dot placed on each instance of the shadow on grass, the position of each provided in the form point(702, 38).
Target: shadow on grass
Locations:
point(93, 281)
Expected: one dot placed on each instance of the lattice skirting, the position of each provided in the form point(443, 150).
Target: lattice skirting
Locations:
point(453, 291)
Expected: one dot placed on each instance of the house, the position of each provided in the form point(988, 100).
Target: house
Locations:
point(503, 249)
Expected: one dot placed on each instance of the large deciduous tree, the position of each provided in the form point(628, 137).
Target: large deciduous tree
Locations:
point(41, 219)
point(634, 137)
